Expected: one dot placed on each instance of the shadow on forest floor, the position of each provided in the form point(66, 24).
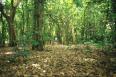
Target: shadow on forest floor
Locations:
point(55, 61)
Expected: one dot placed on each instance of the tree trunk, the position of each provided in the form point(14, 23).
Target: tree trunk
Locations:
point(114, 21)
point(10, 20)
point(3, 33)
point(38, 25)
point(12, 34)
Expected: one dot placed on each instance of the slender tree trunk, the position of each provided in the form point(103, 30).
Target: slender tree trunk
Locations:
point(3, 33)
point(114, 20)
point(59, 36)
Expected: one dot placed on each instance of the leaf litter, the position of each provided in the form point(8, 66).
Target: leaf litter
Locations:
point(60, 61)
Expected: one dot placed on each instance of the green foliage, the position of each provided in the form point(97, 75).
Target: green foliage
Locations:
point(47, 37)
point(23, 53)
point(86, 21)
point(97, 1)
point(19, 55)
point(78, 3)
point(35, 43)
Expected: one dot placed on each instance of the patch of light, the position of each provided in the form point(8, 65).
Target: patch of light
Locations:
point(9, 53)
point(35, 65)
point(61, 1)
point(44, 71)
point(2, 1)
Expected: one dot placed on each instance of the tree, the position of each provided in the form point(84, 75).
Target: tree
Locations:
point(113, 2)
point(38, 42)
point(10, 15)
point(2, 32)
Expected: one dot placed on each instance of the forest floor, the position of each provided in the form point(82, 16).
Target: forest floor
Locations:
point(55, 61)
